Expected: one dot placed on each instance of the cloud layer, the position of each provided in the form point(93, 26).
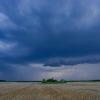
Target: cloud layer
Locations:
point(51, 33)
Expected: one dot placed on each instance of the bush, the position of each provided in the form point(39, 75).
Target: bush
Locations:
point(52, 80)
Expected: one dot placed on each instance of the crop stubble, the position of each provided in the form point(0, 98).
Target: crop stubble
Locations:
point(30, 91)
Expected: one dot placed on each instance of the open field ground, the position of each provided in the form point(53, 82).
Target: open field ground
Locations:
point(68, 91)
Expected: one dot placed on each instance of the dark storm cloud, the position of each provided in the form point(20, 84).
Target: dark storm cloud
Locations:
point(49, 32)
point(51, 29)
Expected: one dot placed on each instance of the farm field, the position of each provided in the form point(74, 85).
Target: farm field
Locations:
point(68, 91)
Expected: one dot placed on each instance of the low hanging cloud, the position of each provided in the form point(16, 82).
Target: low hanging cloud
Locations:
point(57, 62)
point(38, 72)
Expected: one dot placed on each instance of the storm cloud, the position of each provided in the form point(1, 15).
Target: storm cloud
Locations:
point(52, 33)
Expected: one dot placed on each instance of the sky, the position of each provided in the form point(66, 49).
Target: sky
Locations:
point(49, 38)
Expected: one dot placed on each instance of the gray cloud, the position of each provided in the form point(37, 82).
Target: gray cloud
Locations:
point(38, 72)
point(56, 62)
point(49, 32)
point(6, 23)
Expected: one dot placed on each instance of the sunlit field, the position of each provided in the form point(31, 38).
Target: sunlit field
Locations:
point(38, 91)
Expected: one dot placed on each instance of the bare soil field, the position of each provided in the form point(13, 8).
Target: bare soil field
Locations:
point(68, 91)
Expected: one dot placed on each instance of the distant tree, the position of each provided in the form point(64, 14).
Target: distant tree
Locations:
point(43, 81)
point(62, 81)
point(52, 80)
